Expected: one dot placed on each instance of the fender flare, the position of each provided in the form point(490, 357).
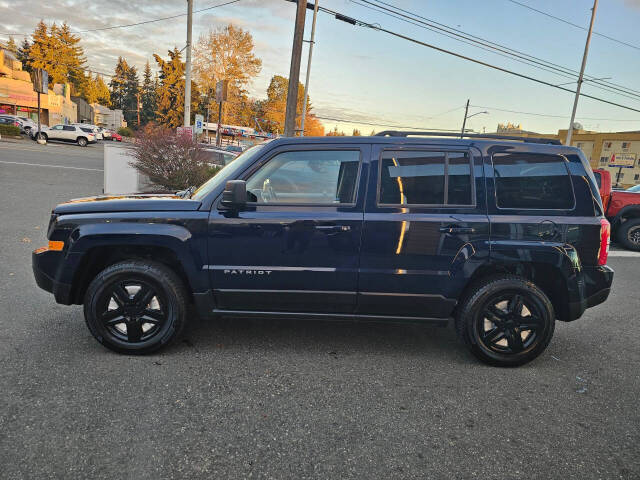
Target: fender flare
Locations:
point(624, 211)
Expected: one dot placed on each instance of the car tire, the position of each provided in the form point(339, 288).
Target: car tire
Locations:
point(136, 307)
point(42, 135)
point(82, 141)
point(629, 234)
point(492, 322)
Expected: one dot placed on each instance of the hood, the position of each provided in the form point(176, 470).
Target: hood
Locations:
point(127, 203)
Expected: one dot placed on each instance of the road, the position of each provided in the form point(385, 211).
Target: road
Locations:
point(287, 399)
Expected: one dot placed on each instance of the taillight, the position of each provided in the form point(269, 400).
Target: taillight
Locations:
point(605, 239)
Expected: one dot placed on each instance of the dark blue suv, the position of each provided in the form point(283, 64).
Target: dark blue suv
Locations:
point(504, 235)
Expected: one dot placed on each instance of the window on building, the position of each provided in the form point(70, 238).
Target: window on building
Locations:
point(636, 177)
point(604, 160)
point(626, 145)
point(619, 176)
point(531, 181)
point(420, 177)
point(607, 145)
point(324, 177)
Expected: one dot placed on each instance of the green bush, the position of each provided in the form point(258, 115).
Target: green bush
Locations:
point(10, 130)
point(125, 132)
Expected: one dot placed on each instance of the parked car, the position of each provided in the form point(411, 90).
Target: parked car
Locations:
point(70, 133)
point(115, 136)
point(106, 134)
point(10, 120)
point(234, 148)
point(622, 209)
point(217, 156)
point(87, 127)
point(505, 236)
point(634, 189)
point(23, 123)
point(34, 131)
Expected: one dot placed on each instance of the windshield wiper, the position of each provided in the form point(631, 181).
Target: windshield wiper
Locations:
point(186, 193)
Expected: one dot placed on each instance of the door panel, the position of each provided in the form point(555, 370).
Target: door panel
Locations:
point(285, 257)
point(416, 258)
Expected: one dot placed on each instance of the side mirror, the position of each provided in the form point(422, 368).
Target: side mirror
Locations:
point(235, 194)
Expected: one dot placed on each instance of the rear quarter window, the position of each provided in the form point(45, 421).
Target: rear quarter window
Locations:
point(532, 182)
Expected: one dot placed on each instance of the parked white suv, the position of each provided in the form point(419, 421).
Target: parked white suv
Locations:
point(70, 133)
point(87, 127)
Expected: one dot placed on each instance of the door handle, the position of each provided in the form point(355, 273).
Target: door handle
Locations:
point(333, 228)
point(456, 229)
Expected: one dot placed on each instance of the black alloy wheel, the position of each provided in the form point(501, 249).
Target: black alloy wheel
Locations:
point(509, 324)
point(629, 234)
point(132, 310)
point(506, 321)
point(135, 306)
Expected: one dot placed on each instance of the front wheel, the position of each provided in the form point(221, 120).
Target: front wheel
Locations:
point(506, 321)
point(135, 306)
point(82, 142)
point(629, 234)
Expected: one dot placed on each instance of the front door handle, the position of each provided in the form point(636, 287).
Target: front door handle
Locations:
point(456, 229)
point(333, 228)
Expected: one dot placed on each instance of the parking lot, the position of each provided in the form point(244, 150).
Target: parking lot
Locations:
point(287, 399)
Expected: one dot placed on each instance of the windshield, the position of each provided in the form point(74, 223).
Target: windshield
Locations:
point(635, 189)
point(227, 172)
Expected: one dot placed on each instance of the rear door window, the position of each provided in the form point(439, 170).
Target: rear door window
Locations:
point(422, 177)
point(532, 182)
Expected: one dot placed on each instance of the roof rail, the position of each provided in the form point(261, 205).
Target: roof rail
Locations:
point(401, 133)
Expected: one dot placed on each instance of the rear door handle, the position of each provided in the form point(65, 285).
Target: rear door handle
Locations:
point(333, 228)
point(456, 229)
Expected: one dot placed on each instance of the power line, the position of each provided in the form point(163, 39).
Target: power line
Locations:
point(622, 42)
point(361, 23)
point(492, 47)
point(134, 24)
point(554, 116)
point(357, 122)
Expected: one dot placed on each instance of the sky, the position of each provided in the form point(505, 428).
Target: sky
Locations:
point(366, 79)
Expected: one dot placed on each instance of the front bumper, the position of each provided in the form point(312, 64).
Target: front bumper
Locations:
point(595, 286)
point(45, 264)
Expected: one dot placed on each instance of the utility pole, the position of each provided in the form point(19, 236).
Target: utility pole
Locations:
point(464, 122)
point(584, 64)
point(294, 71)
point(138, 109)
point(306, 82)
point(187, 71)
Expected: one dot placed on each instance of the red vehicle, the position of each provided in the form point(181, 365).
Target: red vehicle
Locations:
point(622, 209)
point(116, 137)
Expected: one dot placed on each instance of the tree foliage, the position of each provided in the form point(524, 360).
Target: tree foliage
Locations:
point(147, 96)
point(124, 91)
point(170, 91)
point(273, 110)
point(12, 46)
point(57, 50)
point(227, 54)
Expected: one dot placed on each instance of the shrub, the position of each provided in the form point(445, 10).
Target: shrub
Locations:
point(172, 162)
point(125, 132)
point(10, 130)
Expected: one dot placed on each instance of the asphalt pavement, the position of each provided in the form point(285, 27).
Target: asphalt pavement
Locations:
point(292, 399)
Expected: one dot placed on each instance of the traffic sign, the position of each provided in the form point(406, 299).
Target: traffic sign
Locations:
point(199, 123)
point(188, 131)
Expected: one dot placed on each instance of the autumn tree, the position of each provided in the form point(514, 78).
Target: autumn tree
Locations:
point(102, 91)
point(124, 90)
point(170, 91)
point(356, 133)
point(227, 54)
point(147, 96)
point(335, 133)
point(272, 111)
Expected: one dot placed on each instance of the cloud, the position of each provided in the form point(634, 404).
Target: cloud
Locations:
point(632, 3)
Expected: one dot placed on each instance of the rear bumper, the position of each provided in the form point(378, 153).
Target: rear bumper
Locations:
point(595, 286)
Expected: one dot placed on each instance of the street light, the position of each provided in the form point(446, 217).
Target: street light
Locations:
point(466, 116)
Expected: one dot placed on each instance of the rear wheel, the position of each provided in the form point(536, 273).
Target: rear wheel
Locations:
point(629, 234)
point(506, 321)
point(135, 307)
point(82, 141)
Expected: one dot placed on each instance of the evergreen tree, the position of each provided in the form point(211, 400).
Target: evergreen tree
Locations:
point(71, 55)
point(11, 46)
point(148, 96)
point(23, 54)
point(118, 84)
point(170, 92)
point(124, 91)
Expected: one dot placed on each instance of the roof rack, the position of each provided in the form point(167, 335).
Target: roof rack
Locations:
point(401, 133)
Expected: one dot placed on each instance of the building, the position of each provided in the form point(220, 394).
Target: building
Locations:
point(85, 110)
point(107, 118)
point(17, 96)
point(617, 152)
